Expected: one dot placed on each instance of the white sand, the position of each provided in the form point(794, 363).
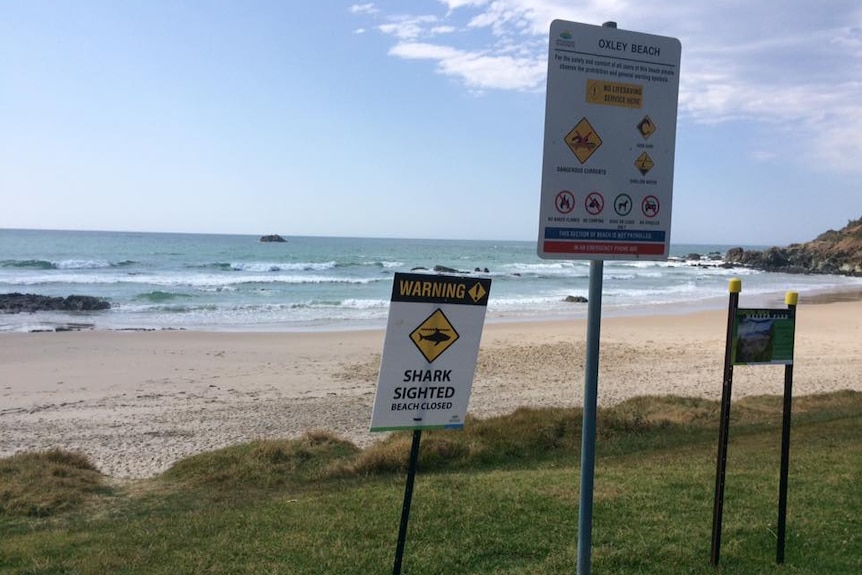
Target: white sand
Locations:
point(136, 402)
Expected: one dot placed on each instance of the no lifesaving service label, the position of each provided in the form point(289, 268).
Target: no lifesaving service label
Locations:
point(615, 94)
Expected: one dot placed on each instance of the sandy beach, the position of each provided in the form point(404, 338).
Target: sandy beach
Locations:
point(136, 402)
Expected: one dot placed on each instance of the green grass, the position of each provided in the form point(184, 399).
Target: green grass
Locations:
point(500, 497)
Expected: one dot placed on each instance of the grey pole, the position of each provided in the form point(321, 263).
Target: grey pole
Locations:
point(591, 395)
point(588, 434)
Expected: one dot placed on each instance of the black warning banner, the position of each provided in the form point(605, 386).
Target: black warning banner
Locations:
point(424, 288)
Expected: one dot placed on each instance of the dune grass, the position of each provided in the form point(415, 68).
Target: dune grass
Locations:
point(47, 483)
point(499, 497)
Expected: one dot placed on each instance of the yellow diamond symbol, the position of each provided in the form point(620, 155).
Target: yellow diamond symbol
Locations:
point(644, 163)
point(646, 127)
point(477, 292)
point(583, 140)
point(434, 335)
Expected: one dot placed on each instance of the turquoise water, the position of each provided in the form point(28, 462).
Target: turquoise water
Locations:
point(232, 282)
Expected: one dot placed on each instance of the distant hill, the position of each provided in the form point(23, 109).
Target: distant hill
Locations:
point(830, 253)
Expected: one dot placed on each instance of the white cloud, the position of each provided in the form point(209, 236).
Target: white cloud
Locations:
point(409, 27)
point(364, 9)
point(442, 30)
point(850, 38)
point(764, 155)
point(477, 70)
point(794, 68)
point(455, 4)
point(422, 51)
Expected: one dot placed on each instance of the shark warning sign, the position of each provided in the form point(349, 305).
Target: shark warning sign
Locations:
point(430, 350)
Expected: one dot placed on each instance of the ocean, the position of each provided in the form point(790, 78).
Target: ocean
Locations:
point(237, 283)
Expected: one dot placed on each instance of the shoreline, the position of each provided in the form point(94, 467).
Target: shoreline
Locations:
point(135, 402)
point(772, 299)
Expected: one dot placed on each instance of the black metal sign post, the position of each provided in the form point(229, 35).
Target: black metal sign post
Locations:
point(791, 300)
point(408, 497)
point(755, 337)
point(734, 287)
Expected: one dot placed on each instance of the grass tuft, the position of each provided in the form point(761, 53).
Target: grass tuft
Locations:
point(264, 464)
point(525, 434)
point(46, 483)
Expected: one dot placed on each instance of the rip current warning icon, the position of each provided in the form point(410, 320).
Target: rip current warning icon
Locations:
point(583, 140)
point(646, 127)
point(434, 335)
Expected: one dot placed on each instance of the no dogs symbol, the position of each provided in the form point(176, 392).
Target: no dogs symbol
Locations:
point(623, 204)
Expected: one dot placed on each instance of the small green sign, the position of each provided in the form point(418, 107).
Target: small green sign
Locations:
point(763, 337)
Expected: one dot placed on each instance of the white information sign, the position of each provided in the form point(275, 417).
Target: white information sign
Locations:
point(610, 132)
point(430, 351)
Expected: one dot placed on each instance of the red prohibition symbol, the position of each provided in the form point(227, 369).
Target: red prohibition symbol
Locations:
point(595, 203)
point(565, 202)
point(650, 206)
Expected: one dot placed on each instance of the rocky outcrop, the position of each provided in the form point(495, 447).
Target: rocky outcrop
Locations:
point(830, 253)
point(273, 238)
point(30, 303)
point(575, 299)
point(711, 256)
point(447, 270)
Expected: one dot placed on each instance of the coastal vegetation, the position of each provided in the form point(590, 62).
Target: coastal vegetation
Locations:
point(500, 497)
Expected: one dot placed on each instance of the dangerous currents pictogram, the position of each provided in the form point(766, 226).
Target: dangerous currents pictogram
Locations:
point(583, 140)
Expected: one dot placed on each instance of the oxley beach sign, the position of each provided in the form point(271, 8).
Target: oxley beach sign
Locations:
point(610, 132)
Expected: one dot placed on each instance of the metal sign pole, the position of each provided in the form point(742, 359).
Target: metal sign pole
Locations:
point(408, 497)
point(791, 299)
point(734, 287)
point(588, 434)
point(626, 115)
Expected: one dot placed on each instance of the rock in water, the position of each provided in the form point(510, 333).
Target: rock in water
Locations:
point(575, 299)
point(273, 238)
point(30, 303)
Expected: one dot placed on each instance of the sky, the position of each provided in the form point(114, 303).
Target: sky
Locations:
point(403, 119)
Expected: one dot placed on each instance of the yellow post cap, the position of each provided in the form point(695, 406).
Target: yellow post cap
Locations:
point(791, 298)
point(734, 285)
